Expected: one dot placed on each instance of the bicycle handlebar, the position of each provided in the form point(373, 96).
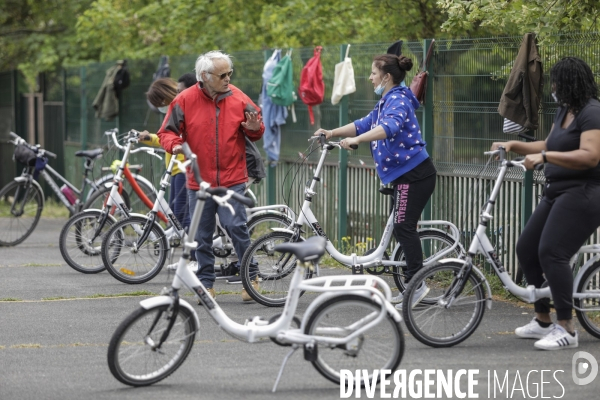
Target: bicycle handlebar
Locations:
point(18, 140)
point(132, 135)
point(517, 162)
point(49, 153)
point(192, 157)
point(323, 141)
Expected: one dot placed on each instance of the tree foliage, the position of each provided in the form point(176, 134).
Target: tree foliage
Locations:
point(515, 17)
point(40, 35)
point(37, 35)
point(150, 28)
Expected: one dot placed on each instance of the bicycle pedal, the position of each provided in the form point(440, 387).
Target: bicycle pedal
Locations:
point(357, 269)
point(310, 352)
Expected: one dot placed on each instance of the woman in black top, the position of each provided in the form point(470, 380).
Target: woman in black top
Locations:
point(569, 212)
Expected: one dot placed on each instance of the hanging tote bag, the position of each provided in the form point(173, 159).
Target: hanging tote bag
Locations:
point(312, 87)
point(343, 81)
point(419, 83)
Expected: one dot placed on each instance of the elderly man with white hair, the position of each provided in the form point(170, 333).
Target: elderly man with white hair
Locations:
point(215, 118)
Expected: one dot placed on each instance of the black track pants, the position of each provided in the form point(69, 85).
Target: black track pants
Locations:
point(409, 201)
point(565, 218)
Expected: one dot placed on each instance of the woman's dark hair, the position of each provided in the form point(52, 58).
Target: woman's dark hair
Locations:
point(188, 79)
point(162, 92)
point(574, 83)
point(396, 66)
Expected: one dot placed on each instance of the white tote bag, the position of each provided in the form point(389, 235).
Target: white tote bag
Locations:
point(343, 82)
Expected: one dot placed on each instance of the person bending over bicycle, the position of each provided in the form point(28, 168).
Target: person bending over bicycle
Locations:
point(569, 211)
point(399, 152)
point(160, 94)
point(215, 118)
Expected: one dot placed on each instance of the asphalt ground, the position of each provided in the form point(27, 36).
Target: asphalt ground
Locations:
point(55, 325)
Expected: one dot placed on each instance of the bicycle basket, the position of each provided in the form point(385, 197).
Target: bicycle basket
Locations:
point(24, 155)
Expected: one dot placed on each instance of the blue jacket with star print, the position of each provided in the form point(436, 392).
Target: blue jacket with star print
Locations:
point(403, 148)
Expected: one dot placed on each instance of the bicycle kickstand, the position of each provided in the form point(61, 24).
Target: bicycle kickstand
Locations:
point(285, 360)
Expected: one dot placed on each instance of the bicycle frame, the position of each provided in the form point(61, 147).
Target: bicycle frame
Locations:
point(115, 199)
point(222, 239)
point(367, 286)
point(50, 175)
point(307, 217)
point(348, 337)
point(481, 244)
point(161, 208)
point(45, 173)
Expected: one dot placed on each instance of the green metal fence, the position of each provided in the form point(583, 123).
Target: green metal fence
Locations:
point(468, 77)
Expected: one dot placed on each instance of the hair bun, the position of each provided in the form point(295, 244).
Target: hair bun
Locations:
point(405, 63)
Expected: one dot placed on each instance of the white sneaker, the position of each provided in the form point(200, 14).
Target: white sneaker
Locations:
point(559, 338)
point(172, 267)
point(192, 265)
point(397, 299)
point(419, 295)
point(533, 330)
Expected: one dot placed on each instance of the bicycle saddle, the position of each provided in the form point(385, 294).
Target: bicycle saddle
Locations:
point(89, 153)
point(311, 249)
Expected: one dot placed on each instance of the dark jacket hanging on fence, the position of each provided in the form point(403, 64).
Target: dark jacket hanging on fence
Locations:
point(521, 98)
point(106, 102)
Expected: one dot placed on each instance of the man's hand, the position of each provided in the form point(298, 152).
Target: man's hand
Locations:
point(252, 121)
point(177, 149)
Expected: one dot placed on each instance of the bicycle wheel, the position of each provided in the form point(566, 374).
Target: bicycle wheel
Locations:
point(134, 361)
point(98, 199)
point(380, 347)
point(128, 261)
point(261, 224)
point(435, 324)
point(274, 269)
point(589, 316)
point(21, 205)
point(80, 240)
point(432, 242)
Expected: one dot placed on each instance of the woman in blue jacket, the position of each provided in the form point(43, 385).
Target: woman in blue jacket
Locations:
point(399, 153)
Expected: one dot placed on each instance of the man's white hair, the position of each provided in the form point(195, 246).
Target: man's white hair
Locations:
point(205, 62)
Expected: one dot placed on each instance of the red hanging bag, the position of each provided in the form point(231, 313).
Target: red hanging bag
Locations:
point(312, 87)
point(419, 83)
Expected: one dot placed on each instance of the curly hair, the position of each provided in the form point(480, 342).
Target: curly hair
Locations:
point(573, 82)
point(162, 92)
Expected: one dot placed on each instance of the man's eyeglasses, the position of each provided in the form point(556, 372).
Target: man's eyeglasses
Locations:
point(223, 75)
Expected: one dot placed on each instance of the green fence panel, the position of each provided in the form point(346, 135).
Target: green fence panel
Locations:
point(468, 77)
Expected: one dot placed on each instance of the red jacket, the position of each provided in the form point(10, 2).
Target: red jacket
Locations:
point(213, 130)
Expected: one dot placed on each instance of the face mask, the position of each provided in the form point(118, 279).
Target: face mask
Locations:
point(379, 89)
point(163, 109)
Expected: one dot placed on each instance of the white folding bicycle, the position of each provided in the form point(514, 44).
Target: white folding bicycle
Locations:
point(438, 238)
point(460, 292)
point(351, 325)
